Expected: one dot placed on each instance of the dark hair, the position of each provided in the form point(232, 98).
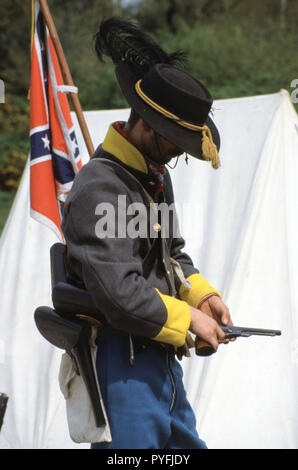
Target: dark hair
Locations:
point(133, 118)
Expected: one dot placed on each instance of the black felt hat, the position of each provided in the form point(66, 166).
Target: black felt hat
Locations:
point(169, 100)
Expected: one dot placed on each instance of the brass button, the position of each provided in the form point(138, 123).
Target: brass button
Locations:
point(157, 227)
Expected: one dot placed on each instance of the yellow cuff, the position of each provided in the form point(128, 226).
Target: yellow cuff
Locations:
point(178, 320)
point(199, 289)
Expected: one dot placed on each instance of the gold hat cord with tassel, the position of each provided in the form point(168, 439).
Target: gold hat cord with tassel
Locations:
point(209, 149)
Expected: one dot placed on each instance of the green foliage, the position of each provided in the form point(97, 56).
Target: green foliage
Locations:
point(12, 171)
point(14, 141)
point(237, 58)
point(15, 33)
point(100, 89)
point(236, 47)
point(6, 200)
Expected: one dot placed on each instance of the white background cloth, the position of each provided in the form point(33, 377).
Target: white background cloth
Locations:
point(241, 229)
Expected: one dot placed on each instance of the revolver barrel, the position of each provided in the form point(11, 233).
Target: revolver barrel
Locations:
point(234, 331)
point(204, 349)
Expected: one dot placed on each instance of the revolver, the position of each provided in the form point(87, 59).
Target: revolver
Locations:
point(204, 349)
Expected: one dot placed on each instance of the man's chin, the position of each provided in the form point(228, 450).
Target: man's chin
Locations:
point(160, 160)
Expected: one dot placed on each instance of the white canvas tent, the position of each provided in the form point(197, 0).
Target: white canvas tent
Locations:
point(240, 225)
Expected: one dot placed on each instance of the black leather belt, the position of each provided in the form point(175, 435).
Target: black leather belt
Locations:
point(136, 343)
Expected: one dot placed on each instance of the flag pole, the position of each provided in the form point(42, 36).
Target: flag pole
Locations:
point(66, 74)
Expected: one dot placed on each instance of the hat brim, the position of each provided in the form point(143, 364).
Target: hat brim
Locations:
point(187, 140)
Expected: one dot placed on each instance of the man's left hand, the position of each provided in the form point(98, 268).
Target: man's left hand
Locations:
point(217, 309)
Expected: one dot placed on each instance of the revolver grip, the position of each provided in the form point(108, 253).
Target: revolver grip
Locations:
point(203, 348)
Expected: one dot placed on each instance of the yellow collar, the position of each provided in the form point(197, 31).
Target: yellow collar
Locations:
point(122, 149)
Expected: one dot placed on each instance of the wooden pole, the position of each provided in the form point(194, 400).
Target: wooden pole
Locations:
point(66, 74)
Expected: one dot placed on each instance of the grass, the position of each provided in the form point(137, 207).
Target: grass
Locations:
point(6, 201)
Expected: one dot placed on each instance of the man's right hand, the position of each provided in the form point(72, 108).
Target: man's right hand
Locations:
point(205, 327)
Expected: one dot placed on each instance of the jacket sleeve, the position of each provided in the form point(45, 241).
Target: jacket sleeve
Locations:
point(111, 269)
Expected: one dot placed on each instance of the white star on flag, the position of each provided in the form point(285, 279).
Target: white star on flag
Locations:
point(74, 145)
point(46, 142)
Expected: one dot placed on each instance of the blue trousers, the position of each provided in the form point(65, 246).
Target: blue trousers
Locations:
point(146, 403)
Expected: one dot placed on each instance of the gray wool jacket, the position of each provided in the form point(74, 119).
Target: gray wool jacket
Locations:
point(127, 255)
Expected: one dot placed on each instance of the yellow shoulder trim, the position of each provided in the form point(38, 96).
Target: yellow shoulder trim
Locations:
point(117, 145)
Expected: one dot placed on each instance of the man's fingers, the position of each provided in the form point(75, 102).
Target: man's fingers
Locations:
point(206, 309)
point(215, 308)
point(226, 317)
point(217, 337)
point(213, 343)
point(220, 334)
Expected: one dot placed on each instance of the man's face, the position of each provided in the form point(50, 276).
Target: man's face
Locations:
point(156, 147)
point(159, 149)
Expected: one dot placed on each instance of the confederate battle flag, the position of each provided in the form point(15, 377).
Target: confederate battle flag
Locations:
point(54, 157)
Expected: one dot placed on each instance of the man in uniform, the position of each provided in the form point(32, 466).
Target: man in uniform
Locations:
point(148, 290)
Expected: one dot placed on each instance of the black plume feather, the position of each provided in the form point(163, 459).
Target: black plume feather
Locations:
point(123, 41)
